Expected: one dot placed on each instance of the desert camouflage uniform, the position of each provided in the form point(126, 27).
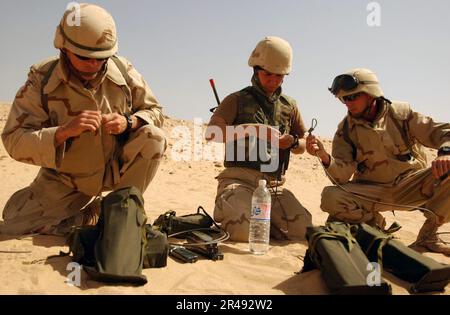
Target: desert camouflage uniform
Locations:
point(82, 167)
point(237, 183)
point(386, 176)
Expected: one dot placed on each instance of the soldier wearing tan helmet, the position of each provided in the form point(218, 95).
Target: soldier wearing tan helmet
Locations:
point(259, 116)
point(89, 120)
point(377, 153)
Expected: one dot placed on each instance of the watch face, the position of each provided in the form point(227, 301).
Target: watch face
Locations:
point(444, 150)
point(129, 121)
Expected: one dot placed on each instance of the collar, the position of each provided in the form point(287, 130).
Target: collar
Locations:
point(257, 87)
point(382, 111)
point(62, 74)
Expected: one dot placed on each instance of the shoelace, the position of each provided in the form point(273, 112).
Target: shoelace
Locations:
point(90, 214)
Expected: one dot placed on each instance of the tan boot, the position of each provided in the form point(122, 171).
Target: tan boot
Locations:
point(378, 221)
point(91, 213)
point(87, 216)
point(428, 238)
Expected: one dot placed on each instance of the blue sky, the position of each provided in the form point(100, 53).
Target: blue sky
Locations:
point(179, 45)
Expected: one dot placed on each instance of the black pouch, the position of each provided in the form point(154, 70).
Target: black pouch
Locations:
point(156, 248)
point(343, 264)
point(423, 272)
point(170, 224)
point(81, 241)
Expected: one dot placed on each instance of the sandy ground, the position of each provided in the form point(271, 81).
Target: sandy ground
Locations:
point(183, 186)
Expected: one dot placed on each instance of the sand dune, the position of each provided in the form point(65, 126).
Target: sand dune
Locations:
point(183, 186)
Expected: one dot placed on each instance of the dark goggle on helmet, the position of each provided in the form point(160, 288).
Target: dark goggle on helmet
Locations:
point(346, 82)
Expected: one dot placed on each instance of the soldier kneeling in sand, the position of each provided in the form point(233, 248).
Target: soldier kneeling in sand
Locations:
point(254, 123)
point(380, 143)
point(89, 120)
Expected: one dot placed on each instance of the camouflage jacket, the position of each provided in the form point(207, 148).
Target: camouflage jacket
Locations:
point(379, 145)
point(80, 162)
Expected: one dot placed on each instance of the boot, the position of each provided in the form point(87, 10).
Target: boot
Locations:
point(428, 238)
point(88, 216)
point(91, 213)
point(378, 221)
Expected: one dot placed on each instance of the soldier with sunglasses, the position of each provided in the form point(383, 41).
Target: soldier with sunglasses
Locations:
point(89, 120)
point(378, 153)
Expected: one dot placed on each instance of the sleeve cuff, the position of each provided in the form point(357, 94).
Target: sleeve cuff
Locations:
point(51, 156)
point(144, 117)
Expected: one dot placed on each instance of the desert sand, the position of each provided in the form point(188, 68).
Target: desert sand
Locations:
point(183, 186)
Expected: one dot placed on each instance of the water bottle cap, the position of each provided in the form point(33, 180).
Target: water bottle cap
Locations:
point(262, 183)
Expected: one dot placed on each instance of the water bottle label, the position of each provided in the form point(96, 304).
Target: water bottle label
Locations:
point(261, 211)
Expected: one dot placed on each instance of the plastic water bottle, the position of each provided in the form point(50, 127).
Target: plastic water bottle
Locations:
point(259, 233)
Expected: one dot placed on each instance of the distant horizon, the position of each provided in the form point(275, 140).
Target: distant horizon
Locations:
point(179, 45)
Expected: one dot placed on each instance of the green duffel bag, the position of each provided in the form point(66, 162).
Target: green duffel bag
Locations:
point(82, 241)
point(425, 274)
point(343, 264)
point(120, 248)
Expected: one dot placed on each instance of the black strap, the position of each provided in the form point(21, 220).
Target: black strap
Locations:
point(127, 78)
point(346, 135)
point(44, 97)
point(264, 109)
point(403, 130)
point(122, 69)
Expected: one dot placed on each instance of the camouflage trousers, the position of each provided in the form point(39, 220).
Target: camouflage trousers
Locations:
point(50, 201)
point(415, 189)
point(289, 218)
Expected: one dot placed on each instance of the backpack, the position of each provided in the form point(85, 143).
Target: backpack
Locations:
point(121, 244)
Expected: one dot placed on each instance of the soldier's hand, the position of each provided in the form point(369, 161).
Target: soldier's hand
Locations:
point(286, 141)
point(87, 120)
point(315, 147)
point(114, 123)
point(441, 166)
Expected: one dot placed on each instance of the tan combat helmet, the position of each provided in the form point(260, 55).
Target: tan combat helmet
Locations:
point(95, 35)
point(355, 81)
point(273, 54)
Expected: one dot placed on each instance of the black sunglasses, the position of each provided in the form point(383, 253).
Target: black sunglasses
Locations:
point(351, 98)
point(346, 82)
point(89, 58)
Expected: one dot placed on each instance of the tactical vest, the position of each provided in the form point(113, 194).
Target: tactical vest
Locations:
point(251, 110)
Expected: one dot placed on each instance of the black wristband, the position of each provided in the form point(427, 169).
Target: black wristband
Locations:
point(129, 121)
point(295, 144)
point(444, 151)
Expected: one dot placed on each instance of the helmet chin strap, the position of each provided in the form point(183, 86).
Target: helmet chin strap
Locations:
point(367, 111)
point(372, 110)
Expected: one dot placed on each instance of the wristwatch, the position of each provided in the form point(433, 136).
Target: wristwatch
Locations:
point(444, 151)
point(129, 121)
point(295, 144)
